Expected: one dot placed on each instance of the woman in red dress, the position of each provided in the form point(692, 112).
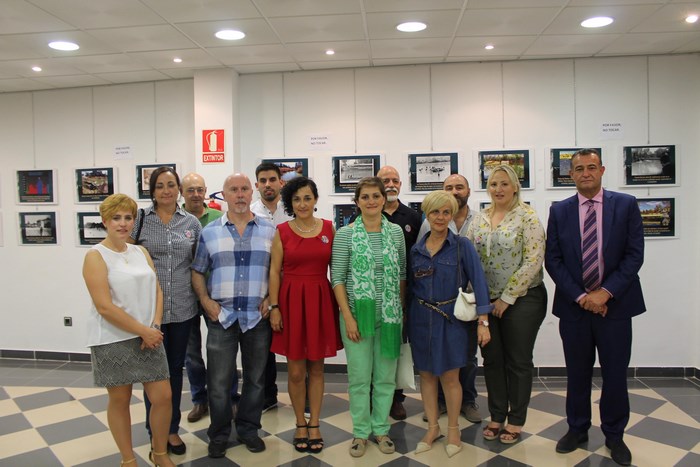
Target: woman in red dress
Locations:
point(304, 315)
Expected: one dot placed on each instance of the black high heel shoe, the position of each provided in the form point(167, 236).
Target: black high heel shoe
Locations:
point(301, 444)
point(315, 441)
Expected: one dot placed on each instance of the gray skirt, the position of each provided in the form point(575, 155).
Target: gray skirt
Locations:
point(124, 362)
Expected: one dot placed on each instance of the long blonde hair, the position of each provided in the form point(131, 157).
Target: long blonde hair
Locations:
point(513, 177)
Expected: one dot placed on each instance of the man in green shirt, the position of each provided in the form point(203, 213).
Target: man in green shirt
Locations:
point(194, 190)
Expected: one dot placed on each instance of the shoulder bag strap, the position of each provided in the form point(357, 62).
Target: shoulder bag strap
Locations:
point(142, 214)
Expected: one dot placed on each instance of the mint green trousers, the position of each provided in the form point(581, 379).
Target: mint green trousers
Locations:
point(367, 367)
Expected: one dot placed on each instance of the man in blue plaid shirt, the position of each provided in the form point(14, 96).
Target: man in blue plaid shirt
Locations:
point(235, 251)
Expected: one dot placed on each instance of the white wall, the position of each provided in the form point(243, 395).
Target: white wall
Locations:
point(391, 111)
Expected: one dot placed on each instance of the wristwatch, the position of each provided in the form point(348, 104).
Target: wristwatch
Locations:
point(155, 326)
point(484, 323)
point(272, 307)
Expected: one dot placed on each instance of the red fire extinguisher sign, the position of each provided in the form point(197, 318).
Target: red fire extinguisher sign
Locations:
point(212, 146)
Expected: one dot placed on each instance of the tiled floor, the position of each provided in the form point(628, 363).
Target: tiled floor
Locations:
point(51, 415)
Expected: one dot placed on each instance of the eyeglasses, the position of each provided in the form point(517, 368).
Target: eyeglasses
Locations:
point(199, 191)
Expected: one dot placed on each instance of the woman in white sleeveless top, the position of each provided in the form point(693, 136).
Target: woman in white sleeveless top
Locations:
point(124, 334)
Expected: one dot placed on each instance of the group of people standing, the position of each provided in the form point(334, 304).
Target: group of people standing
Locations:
point(259, 276)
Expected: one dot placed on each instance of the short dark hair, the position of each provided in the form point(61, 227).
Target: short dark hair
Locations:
point(587, 152)
point(291, 187)
point(154, 178)
point(265, 166)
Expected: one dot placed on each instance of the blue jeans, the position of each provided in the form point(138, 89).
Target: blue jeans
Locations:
point(467, 374)
point(175, 337)
point(197, 372)
point(222, 350)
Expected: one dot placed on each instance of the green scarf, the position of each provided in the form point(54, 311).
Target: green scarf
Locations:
point(362, 264)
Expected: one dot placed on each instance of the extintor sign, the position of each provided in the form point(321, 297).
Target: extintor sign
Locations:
point(212, 146)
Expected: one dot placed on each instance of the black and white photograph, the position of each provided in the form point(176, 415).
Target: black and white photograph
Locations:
point(36, 187)
point(518, 160)
point(650, 165)
point(428, 171)
point(291, 168)
point(348, 170)
point(342, 213)
point(658, 217)
point(94, 185)
point(560, 160)
point(91, 230)
point(38, 228)
point(143, 176)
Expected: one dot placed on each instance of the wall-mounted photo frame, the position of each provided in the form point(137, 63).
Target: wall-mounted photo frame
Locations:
point(560, 166)
point(91, 230)
point(342, 213)
point(428, 171)
point(518, 159)
point(658, 217)
point(650, 165)
point(37, 186)
point(94, 185)
point(143, 177)
point(38, 228)
point(348, 170)
point(291, 168)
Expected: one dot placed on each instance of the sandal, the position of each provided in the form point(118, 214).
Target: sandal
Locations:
point(491, 432)
point(152, 456)
point(301, 444)
point(315, 442)
point(514, 437)
point(358, 447)
point(386, 445)
point(128, 462)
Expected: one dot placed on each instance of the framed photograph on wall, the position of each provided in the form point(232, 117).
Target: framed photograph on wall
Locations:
point(291, 168)
point(36, 187)
point(91, 230)
point(38, 228)
point(560, 166)
point(94, 185)
point(650, 165)
point(342, 213)
point(143, 177)
point(428, 171)
point(658, 217)
point(348, 170)
point(517, 159)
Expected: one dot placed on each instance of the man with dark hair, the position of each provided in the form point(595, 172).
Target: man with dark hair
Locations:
point(269, 206)
point(598, 292)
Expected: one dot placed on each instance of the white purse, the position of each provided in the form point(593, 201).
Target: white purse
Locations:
point(465, 306)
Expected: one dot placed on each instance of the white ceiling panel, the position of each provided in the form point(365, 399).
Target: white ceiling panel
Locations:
point(662, 42)
point(478, 58)
point(334, 64)
point(22, 84)
point(477, 4)
point(670, 18)
point(19, 16)
point(49, 67)
point(100, 13)
point(143, 38)
point(406, 48)
point(72, 81)
point(503, 45)
point(626, 17)
point(251, 54)
point(615, 2)
point(267, 68)
point(257, 32)
point(133, 76)
point(163, 59)
point(319, 28)
point(105, 63)
point(179, 11)
point(316, 52)
point(569, 45)
point(507, 22)
point(373, 6)
point(440, 24)
point(692, 46)
point(179, 73)
point(407, 61)
point(277, 8)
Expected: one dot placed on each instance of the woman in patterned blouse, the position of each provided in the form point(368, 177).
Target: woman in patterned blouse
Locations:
point(510, 241)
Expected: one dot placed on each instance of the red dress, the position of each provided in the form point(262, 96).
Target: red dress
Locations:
point(310, 329)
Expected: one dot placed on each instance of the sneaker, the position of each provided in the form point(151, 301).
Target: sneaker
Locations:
point(269, 405)
point(398, 411)
point(442, 409)
point(470, 410)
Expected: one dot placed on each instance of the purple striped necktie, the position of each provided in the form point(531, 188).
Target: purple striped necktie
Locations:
point(589, 249)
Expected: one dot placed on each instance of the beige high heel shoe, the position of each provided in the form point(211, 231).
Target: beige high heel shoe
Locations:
point(423, 446)
point(453, 449)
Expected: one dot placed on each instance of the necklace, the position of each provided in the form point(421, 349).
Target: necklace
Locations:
point(296, 224)
point(122, 254)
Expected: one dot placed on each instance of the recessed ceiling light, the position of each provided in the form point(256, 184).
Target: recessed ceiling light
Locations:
point(489, 47)
point(411, 26)
point(691, 19)
point(330, 52)
point(596, 22)
point(177, 60)
point(36, 68)
point(230, 35)
point(65, 46)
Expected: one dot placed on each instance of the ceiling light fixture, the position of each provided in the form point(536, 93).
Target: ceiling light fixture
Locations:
point(691, 19)
point(411, 26)
point(330, 52)
point(36, 68)
point(596, 22)
point(489, 47)
point(230, 35)
point(64, 46)
point(177, 60)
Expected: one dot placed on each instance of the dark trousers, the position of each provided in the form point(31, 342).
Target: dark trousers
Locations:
point(613, 340)
point(197, 371)
point(508, 357)
point(222, 350)
point(271, 378)
point(467, 374)
point(175, 337)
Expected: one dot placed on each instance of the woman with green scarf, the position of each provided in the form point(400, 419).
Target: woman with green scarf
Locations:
point(368, 273)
